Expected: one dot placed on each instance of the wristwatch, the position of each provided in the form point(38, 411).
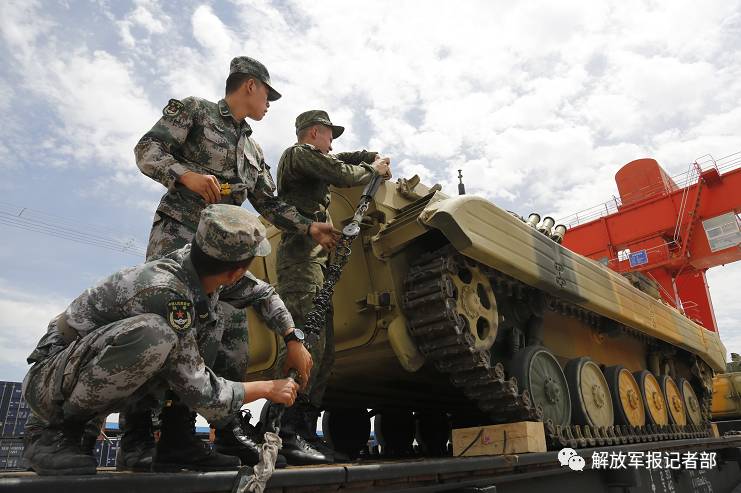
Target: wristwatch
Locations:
point(295, 335)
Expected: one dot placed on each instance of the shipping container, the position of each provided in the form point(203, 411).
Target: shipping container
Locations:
point(14, 410)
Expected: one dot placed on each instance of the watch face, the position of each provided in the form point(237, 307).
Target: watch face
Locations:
point(299, 334)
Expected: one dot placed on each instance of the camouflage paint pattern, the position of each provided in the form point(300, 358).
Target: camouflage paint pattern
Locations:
point(304, 177)
point(726, 391)
point(375, 350)
point(204, 137)
point(137, 332)
point(531, 257)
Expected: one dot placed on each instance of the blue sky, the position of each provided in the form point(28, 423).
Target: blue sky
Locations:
point(539, 103)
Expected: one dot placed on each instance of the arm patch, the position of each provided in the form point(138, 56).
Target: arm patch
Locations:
point(180, 315)
point(173, 108)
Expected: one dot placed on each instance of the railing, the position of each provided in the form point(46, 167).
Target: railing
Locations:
point(682, 180)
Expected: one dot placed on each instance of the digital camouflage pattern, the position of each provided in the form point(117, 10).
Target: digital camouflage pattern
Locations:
point(167, 235)
point(139, 331)
point(250, 66)
point(200, 136)
point(304, 177)
point(230, 233)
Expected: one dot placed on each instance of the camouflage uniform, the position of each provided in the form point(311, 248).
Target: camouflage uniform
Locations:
point(304, 177)
point(733, 366)
point(138, 331)
point(204, 137)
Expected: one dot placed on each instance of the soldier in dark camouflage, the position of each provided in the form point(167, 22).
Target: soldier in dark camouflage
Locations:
point(135, 334)
point(204, 153)
point(305, 172)
point(199, 146)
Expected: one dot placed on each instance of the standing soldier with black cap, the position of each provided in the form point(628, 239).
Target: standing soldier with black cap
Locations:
point(305, 172)
point(203, 153)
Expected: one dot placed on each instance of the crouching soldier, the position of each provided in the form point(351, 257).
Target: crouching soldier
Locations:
point(137, 333)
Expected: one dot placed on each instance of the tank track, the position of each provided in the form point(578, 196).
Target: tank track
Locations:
point(442, 336)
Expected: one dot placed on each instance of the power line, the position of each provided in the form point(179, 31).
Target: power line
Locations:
point(68, 229)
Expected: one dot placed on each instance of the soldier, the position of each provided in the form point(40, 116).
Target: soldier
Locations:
point(735, 364)
point(134, 335)
point(305, 172)
point(203, 152)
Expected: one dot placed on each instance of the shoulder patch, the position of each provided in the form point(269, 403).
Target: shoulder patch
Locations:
point(179, 315)
point(173, 108)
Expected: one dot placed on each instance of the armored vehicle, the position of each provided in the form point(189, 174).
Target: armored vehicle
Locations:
point(453, 311)
point(726, 402)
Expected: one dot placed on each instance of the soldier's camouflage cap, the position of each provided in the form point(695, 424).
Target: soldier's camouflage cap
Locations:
point(247, 65)
point(231, 233)
point(311, 117)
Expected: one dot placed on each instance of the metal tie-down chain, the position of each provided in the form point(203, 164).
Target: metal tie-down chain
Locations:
point(315, 322)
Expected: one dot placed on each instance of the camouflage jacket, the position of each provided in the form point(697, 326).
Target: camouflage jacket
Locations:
point(201, 136)
point(305, 174)
point(171, 288)
point(304, 177)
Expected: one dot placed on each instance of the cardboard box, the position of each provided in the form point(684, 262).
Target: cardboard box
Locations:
point(509, 438)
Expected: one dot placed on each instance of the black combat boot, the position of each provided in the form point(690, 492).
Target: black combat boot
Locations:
point(296, 449)
point(311, 415)
point(57, 451)
point(239, 438)
point(178, 447)
point(136, 448)
point(87, 443)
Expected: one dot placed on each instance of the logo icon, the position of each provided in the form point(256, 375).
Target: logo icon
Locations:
point(568, 457)
point(179, 315)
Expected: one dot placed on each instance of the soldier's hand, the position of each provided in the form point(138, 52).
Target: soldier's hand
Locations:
point(299, 358)
point(282, 391)
point(207, 186)
point(324, 234)
point(382, 166)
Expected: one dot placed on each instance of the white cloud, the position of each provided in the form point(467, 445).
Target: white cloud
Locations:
point(211, 33)
point(538, 102)
point(724, 283)
point(93, 92)
point(23, 320)
point(147, 17)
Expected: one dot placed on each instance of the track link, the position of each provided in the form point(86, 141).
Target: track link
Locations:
point(444, 338)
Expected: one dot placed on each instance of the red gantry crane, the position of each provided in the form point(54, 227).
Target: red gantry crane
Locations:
point(670, 229)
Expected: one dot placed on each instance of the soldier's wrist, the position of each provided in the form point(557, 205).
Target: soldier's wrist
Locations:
point(256, 390)
point(177, 171)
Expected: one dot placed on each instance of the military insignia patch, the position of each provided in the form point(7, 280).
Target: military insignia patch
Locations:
point(173, 108)
point(179, 315)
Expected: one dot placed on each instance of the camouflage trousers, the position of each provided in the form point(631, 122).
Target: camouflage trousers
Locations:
point(101, 373)
point(322, 353)
point(167, 235)
point(35, 424)
point(225, 349)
